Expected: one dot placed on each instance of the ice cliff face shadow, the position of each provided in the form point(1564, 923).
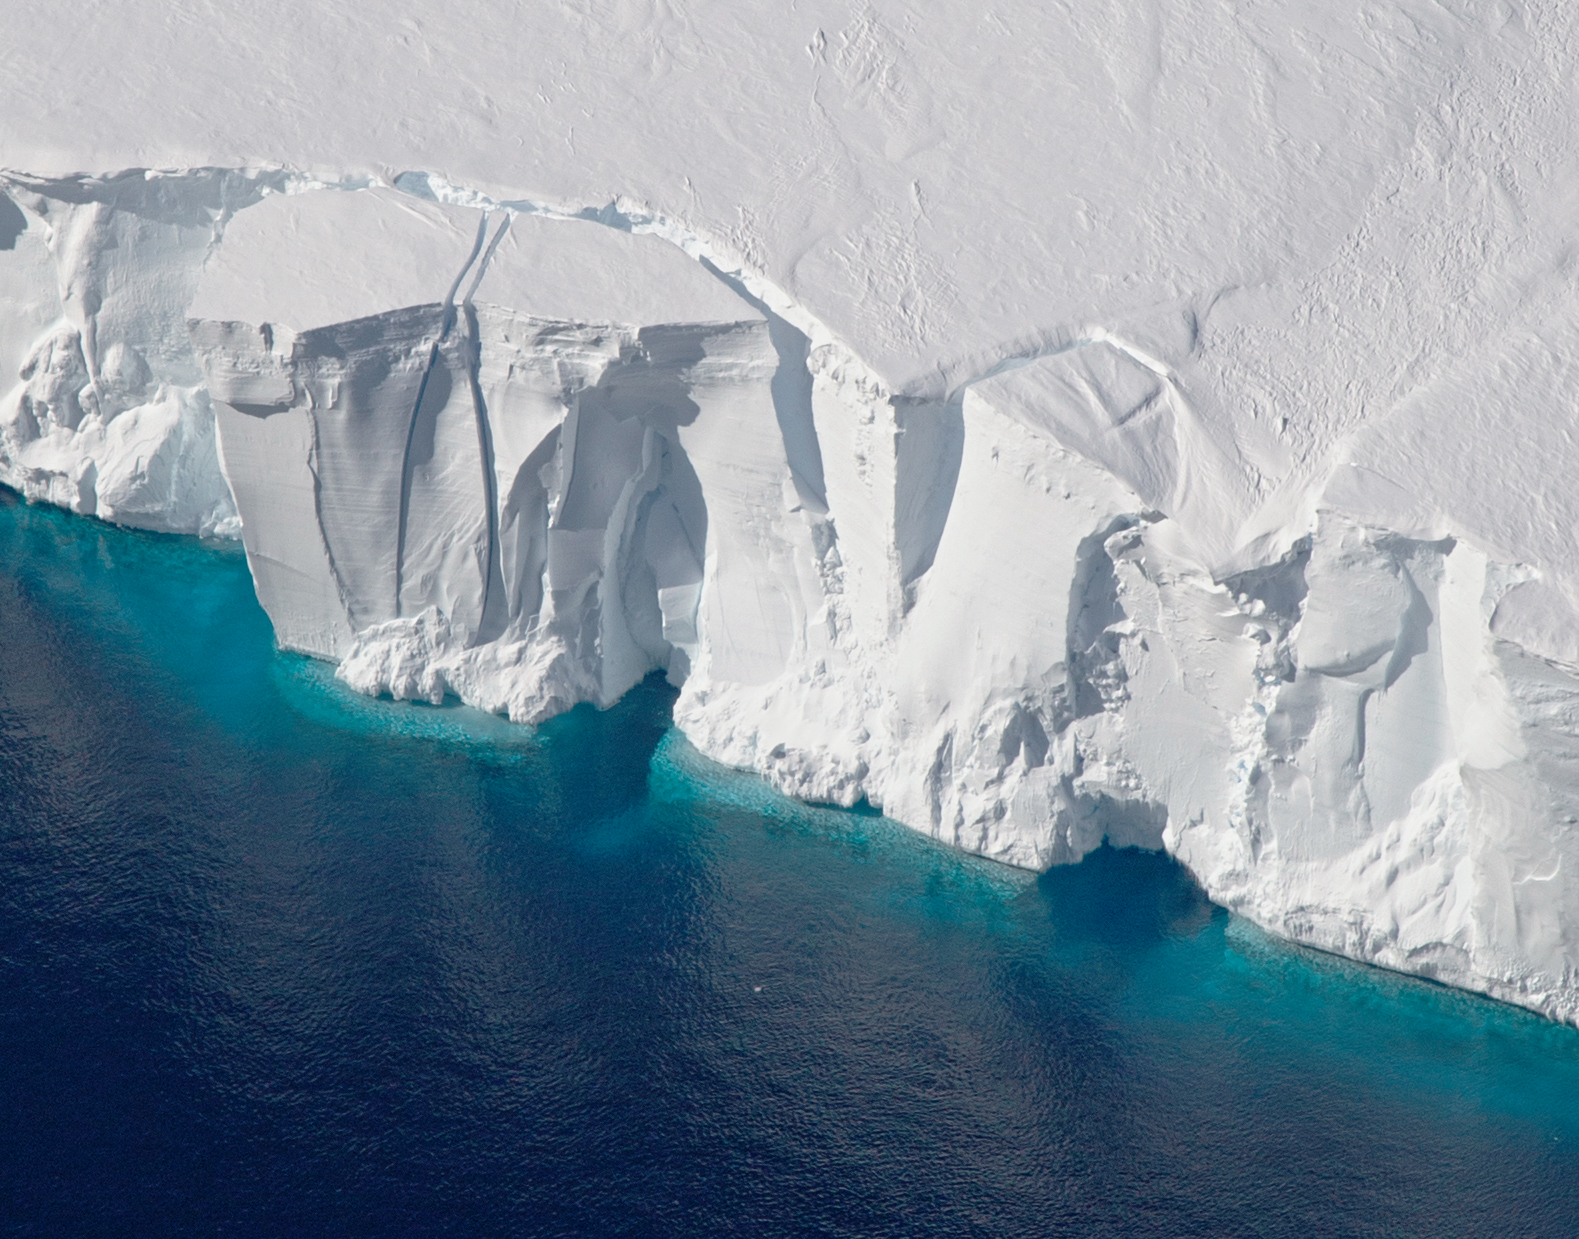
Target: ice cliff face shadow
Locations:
point(12, 223)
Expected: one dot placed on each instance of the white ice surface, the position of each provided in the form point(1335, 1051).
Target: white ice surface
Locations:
point(583, 272)
point(308, 262)
point(1134, 419)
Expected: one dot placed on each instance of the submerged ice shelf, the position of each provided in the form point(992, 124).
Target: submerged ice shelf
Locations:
point(475, 447)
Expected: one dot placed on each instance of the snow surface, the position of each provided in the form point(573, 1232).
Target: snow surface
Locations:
point(1140, 420)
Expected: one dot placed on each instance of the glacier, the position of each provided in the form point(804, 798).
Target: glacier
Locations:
point(1166, 442)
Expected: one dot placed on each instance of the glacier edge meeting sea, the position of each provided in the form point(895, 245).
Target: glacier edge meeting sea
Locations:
point(525, 455)
point(276, 957)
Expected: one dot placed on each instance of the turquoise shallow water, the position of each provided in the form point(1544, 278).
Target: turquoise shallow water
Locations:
point(279, 960)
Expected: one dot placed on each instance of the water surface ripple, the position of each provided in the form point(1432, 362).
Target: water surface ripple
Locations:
point(279, 960)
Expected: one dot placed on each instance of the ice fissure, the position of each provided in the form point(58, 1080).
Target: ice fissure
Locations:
point(527, 456)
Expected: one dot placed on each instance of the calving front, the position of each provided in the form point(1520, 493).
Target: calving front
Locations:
point(528, 460)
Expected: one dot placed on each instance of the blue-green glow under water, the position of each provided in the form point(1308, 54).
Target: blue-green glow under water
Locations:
point(279, 960)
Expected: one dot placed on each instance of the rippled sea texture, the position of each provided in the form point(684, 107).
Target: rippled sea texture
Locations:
point(277, 960)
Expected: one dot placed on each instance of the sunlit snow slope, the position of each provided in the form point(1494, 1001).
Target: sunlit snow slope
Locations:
point(1145, 421)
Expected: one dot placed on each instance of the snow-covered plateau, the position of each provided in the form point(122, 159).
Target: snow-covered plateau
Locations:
point(1131, 420)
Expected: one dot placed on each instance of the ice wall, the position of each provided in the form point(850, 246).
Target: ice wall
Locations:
point(522, 460)
point(108, 414)
point(527, 460)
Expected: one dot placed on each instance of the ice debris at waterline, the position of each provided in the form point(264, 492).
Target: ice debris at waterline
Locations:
point(1190, 468)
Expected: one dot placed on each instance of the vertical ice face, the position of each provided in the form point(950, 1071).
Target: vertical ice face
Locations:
point(106, 411)
point(636, 442)
point(1410, 796)
point(323, 327)
point(988, 605)
point(1364, 741)
point(527, 460)
point(1398, 790)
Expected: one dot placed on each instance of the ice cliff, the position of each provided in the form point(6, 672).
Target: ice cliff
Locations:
point(1200, 480)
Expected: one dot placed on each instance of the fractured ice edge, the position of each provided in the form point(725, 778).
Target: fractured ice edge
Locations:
point(475, 449)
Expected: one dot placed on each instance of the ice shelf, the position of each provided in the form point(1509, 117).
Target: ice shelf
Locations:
point(1176, 451)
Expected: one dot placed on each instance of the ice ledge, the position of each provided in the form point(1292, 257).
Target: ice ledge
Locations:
point(527, 455)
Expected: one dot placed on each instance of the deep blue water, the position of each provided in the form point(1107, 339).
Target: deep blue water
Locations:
point(277, 960)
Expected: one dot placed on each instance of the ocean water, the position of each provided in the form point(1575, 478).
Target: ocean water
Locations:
point(278, 960)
